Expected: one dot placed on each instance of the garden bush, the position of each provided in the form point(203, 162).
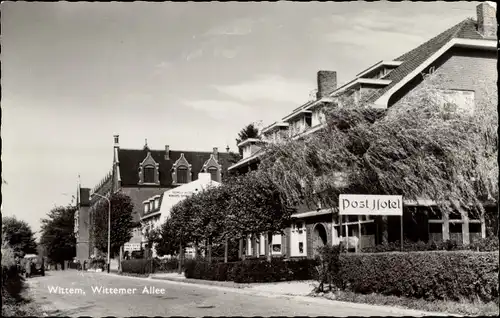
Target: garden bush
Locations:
point(483, 245)
point(166, 265)
point(139, 266)
point(441, 275)
point(328, 268)
point(251, 271)
point(201, 269)
point(98, 263)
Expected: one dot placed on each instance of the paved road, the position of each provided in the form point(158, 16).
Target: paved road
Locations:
point(139, 297)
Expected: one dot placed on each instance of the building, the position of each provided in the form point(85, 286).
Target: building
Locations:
point(142, 174)
point(465, 56)
point(157, 208)
point(82, 224)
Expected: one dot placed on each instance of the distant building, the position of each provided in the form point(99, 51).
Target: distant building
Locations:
point(157, 208)
point(142, 174)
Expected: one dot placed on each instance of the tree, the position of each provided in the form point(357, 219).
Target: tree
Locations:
point(249, 131)
point(19, 236)
point(256, 206)
point(57, 235)
point(420, 148)
point(122, 223)
point(165, 239)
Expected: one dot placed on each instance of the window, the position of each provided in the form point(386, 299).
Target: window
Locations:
point(149, 174)
point(276, 248)
point(146, 207)
point(182, 174)
point(213, 173)
point(308, 120)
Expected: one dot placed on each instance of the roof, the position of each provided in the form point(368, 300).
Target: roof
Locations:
point(466, 29)
point(411, 60)
point(130, 159)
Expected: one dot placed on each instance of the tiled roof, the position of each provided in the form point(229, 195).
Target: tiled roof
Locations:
point(129, 160)
point(411, 60)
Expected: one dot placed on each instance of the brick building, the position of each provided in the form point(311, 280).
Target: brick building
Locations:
point(464, 57)
point(142, 174)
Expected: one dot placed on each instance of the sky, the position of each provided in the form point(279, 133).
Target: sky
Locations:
point(187, 75)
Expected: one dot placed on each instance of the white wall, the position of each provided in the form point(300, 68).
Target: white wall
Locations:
point(298, 235)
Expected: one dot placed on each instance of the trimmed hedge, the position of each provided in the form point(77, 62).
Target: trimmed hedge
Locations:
point(139, 266)
point(252, 271)
point(441, 275)
point(483, 245)
point(166, 265)
point(149, 266)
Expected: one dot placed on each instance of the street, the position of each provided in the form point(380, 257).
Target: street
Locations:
point(74, 293)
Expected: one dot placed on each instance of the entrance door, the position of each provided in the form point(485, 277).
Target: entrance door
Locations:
point(319, 238)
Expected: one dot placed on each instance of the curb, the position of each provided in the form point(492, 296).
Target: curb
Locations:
point(246, 289)
point(202, 282)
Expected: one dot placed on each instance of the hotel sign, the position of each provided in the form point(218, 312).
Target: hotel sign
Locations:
point(361, 204)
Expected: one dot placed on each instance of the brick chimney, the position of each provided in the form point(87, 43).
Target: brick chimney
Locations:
point(327, 82)
point(167, 152)
point(216, 153)
point(117, 141)
point(486, 19)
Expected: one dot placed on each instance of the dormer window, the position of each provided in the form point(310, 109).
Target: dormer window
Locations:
point(181, 171)
point(149, 171)
point(149, 174)
point(182, 174)
point(213, 173)
point(213, 167)
point(308, 120)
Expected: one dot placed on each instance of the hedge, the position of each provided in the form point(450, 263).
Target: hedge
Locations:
point(441, 275)
point(149, 266)
point(139, 266)
point(483, 245)
point(252, 271)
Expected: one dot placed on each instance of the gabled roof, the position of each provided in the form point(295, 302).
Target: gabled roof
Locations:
point(466, 29)
point(412, 60)
point(129, 160)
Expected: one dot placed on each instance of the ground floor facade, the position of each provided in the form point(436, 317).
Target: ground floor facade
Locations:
point(310, 230)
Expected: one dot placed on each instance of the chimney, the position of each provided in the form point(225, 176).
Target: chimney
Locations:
point(117, 140)
point(327, 82)
point(167, 152)
point(486, 19)
point(216, 153)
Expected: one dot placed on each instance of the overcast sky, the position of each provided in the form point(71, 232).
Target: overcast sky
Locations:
point(188, 75)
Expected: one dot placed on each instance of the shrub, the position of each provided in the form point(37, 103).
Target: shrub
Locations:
point(483, 245)
point(328, 268)
point(201, 269)
point(488, 244)
point(139, 266)
point(98, 263)
point(430, 275)
point(12, 281)
point(166, 265)
point(251, 271)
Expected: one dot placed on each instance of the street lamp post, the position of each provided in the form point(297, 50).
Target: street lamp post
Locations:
point(109, 227)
